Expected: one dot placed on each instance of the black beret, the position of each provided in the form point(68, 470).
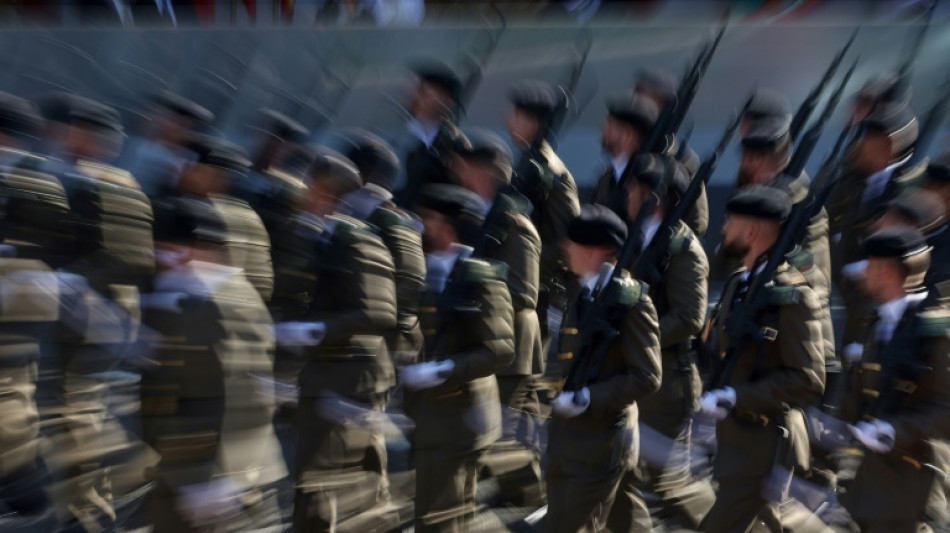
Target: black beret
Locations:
point(329, 163)
point(55, 106)
point(375, 159)
point(534, 96)
point(761, 201)
point(597, 225)
point(768, 103)
point(18, 116)
point(440, 75)
point(922, 208)
point(638, 111)
point(658, 81)
point(938, 170)
point(218, 153)
point(182, 106)
point(451, 200)
point(281, 126)
point(884, 87)
point(898, 242)
point(93, 113)
point(485, 146)
point(651, 169)
point(767, 135)
point(897, 121)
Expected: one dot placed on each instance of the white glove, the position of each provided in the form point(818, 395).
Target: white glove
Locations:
point(718, 402)
point(204, 504)
point(877, 436)
point(570, 404)
point(427, 375)
point(300, 333)
point(164, 301)
point(853, 352)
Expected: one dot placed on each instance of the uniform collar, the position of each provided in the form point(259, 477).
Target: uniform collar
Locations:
point(425, 132)
point(619, 164)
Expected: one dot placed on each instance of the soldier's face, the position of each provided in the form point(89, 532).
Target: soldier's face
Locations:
point(582, 259)
point(735, 236)
point(879, 274)
point(429, 102)
point(438, 233)
point(755, 168)
point(522, 126)
point(637, 195)
point(610, 135)
point(871, 153)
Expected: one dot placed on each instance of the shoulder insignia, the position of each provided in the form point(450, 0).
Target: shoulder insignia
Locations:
point(934, 322)
point(628, 292)
point(475, 270)
point(681, 240)
point(784, 294)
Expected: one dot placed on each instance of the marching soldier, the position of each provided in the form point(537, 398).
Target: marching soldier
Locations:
point(901, 379)
point(484, 167)
point(660, 86)
point(882, 88)
point(337, 302)
point(432, 109)
point(202, 405)
point(680, 301)
point(549, 186)
point(861, 195)
point(770, 379)
point(766, 105)
point(592, 436)
point(400, 231)
point(629, 121)
point(937, 180)
point(467, 318)
point(275, 187)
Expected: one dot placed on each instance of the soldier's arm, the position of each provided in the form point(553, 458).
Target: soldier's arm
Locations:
point(563, 206)
point(685, 284)
point(522, 254)
point(640, 347)
point(494, 333)
point(698, 217)
point(405, 245)
point(930, 420)
point(371, 307)
point(799, 379)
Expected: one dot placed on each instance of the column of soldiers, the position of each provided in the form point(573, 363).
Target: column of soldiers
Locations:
point(279, 310)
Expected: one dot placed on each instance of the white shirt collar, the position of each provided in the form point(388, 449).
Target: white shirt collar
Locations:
point(652, 225)
point(619, 163)
point(441, 263)
point(893, 310)
point(877, 182)
point(745, 273)
point(425, 132)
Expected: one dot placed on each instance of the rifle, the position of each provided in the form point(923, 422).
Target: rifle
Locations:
point(407, 196)
point(674, 112)
point(743, 321)
point(526, 178)
point(906, 68)
point(651, 264)
point(811, 101)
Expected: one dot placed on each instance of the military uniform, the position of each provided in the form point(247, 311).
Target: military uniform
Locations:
point(247, 242)
point(469, 322)
point(697, 218)
point(771, 382)
point(588, 454)
point(342, 277)
point(204, 408)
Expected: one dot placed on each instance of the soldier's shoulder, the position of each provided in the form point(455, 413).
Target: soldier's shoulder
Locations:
point(388, 216)
point(934, 320)
point(683, 239)
point(107, 173)
point(474, 270)
point(628, 291)
point(790, 288)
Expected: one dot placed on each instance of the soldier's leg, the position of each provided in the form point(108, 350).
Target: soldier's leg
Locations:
point(739, 504)
point(629, 511)
point(579, 496)
point(445, 490)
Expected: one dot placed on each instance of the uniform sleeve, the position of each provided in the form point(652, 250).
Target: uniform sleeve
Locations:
point(930, 419)
point(563, 206)
point(698, 217)
point(493, 332)
point(685, 285)
point(409, 263)
point(522, 253)
point(371, 303)
point(640, 349)
point(799, 379)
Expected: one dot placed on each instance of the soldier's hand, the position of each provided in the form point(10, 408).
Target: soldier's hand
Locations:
point(427, 375)
point(570, 404)
point(292, 334)
point(718, 402)
point(877, 436)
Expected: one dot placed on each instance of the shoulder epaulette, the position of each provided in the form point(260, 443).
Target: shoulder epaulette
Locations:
point(627, 291)
point(681, 240)
point(934, 322)
point(475, 270)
